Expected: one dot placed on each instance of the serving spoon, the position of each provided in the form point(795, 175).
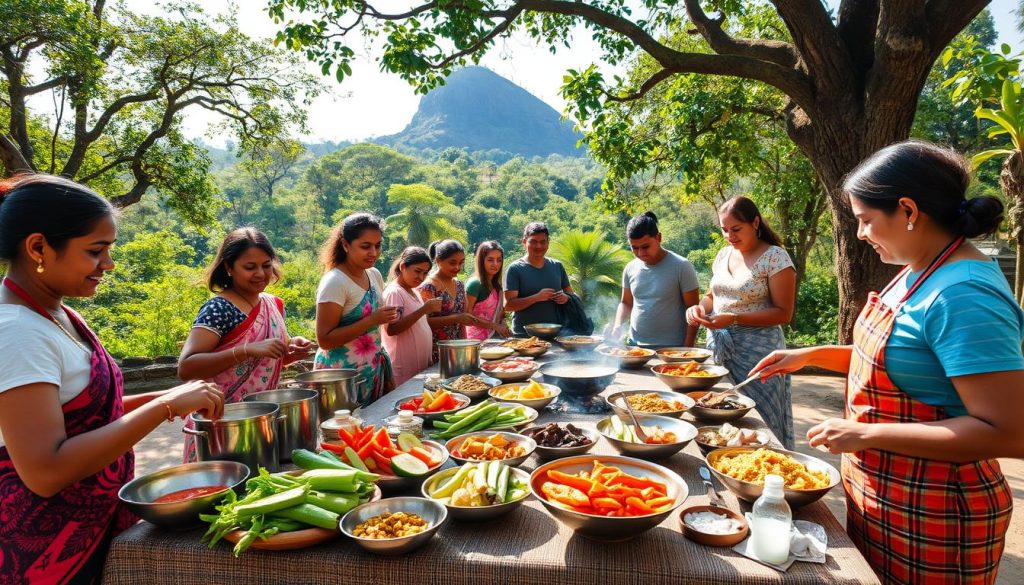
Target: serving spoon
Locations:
point(639, 430)
point(713, 398)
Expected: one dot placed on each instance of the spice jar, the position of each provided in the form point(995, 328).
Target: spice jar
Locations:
point(343, 419)
point(404, 422)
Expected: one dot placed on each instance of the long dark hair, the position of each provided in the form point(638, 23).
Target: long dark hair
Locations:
point(745, 210)
point(445, 249)
point(55, 207)
point(935, 178)
point(645, 224)
point(409, 256)
point(486, 286)
point(234, 245)
point(333, 252)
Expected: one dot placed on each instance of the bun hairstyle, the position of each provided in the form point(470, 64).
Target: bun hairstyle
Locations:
point(53, 206)
point(410, 255)
point(745, 210)
point(643, 225)
point(935, 178)
point(234, 245)
point(350, 229)
point(445, 249)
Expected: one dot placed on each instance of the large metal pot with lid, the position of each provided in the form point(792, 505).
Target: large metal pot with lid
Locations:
point(339, 389)
point(300, 426)
point(458, 357)
point(246, 433)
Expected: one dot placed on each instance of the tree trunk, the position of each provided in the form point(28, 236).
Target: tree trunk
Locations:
point(1011, 179)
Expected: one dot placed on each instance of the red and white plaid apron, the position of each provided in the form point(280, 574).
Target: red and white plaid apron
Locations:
point(915, 520)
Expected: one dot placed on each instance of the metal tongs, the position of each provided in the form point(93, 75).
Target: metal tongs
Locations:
point(713, 398)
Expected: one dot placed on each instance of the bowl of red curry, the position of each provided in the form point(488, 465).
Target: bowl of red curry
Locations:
point(175, 497)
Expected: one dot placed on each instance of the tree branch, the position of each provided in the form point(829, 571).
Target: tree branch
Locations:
point(646, 87)
point(509, 15)
point(817, 42)
point(45, 86)
point(778, 52)
point(13, 160)
point(857, 23)
point(946, 18)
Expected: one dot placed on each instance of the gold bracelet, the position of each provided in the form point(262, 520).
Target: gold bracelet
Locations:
point(234, 358)
point(170, 412)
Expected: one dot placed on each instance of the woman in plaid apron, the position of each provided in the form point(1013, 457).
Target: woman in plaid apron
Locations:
point(926, 501)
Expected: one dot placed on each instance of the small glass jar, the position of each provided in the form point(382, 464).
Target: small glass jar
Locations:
point(404, 422)
point(431, 382)
point(343, 419)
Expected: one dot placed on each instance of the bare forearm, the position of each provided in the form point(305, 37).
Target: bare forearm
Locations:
point(402, 325)
point(621, 313)
point(830, 357)
point(439, 322)
point(202, 366)
point(960, 439)
point(341, 335)
point(691, 336)
point(520, 303)
point(765, 317)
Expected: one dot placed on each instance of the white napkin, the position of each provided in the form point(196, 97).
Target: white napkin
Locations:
point(808, 543)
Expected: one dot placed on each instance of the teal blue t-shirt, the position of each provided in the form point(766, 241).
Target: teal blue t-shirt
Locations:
point(963, 320)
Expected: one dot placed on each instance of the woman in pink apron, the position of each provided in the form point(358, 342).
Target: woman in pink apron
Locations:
point(66, 430)
point(484, 297)
point(935, 376)
point(239, 340)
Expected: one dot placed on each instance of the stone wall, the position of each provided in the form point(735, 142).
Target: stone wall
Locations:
point(160, 373)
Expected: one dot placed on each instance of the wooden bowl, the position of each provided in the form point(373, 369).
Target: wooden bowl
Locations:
point(714, 539)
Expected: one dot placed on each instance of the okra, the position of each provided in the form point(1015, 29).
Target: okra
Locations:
point(310, 514)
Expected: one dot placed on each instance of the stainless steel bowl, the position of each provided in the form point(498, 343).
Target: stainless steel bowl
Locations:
point(616, 401)
point(491, 383)
point(706, 448)
point(579, 377)
point(748, 491)
point(685, 432)
point(478, 513)
point(340, 389)
point(536, 403)
point(392, 484)
point(605, 527)
point(139, 493)
point(550, 453)
point(431, 511)
point(518, 376)
point(525, 442)
point(437, 415)
point(491, 352)
point(719, 415)
point(626, 361)
point(579, 342)
point(545, 330)
point(687, 383)
point(704, 354)
point(533, 351)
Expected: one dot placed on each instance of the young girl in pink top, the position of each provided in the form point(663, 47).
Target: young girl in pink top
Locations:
point(408, 339)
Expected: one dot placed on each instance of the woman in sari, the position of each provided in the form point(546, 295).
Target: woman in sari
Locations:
point(484, 298)
point(239, 340)
point(752, 294)
point(349, 304)
point(449, 323)
point(66, 430)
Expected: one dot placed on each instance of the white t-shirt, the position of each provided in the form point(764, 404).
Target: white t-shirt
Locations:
point(337, 287)
point(33, 350)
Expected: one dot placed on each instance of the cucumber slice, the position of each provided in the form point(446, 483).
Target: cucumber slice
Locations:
point(408, 441)
point(493, 471)
point(406, 465)
point(354, 460)
point(617, 427)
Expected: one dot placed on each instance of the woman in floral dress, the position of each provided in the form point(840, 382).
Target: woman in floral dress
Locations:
point(349, 311)
point(451, 321)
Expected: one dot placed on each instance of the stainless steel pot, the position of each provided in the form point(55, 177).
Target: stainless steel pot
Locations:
point(459, 357)
point(247, 433)
point(338, 389)
point(300, 426)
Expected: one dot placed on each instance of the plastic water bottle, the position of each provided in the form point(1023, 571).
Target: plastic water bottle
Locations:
point(772, 521)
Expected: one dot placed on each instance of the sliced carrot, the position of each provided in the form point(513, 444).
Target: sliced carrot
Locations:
point(382, 439)
point(565, 494)
point(383, 462)
point(332, 448)
point(660, 502)
point(423, 455)
point(365, 451)
point(582, 484)
point(597, 490)
point(606, 503)
point(639, 505)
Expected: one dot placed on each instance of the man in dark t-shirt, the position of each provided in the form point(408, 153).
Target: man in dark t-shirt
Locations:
point(534, 284)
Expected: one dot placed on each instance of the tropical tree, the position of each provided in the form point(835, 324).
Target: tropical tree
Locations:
point(121, 84)
point(851, 83)
point(266, 165)
point(426, 215)
point(594, 264)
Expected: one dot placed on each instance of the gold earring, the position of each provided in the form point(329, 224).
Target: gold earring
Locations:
point(40, 269)
point(910, 227)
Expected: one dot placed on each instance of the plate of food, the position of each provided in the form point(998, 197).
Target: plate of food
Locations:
point(511, 370)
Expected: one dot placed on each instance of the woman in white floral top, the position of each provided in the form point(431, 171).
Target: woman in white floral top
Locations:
point(752, 294)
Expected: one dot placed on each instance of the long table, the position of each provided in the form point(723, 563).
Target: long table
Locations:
point(525, 547)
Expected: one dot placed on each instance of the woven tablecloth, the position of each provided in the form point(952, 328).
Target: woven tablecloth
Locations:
point(524, 547)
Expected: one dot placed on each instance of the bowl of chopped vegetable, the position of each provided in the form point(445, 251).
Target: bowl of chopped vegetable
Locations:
point(512, 449)
point(659, 402)
point(689, 376)
point(394, 526)
point(471, 385)
point(726, 435)
point(433, 405)
point(533, 393)
point(479, 491)
point(175, 497)
point(728, 410)
point(665, 436)
point(408, 471)
point(483, 416)
point(675, 355)
point(555, 441)
point(511, 370)
point(605, 497)
point(627, 357)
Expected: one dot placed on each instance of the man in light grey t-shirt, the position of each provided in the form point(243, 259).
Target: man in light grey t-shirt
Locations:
point(657, 288)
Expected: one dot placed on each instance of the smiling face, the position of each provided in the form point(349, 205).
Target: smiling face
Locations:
point(740, 234)
point(492, 263)
point(886, 232)
point(451, 266)
point(413, 275)
point(77, 270)
point(536, 245)
point(647, 249)
point(364, 251)
point(251, 272)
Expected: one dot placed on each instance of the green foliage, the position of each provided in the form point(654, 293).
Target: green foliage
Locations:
point(816, 319)
point(425, 215)
point(594, 264)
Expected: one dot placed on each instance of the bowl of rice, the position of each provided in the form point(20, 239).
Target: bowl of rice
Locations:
point(742, 470)
point(660, 402)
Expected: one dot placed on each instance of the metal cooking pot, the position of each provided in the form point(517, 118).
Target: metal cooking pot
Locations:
point(247, 433)
point(300, 426)
point(338, 389)
point(458, 357)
